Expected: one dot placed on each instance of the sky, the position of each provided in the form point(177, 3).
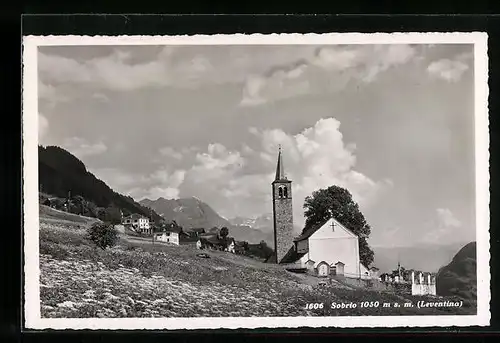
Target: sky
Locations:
point(394, 124)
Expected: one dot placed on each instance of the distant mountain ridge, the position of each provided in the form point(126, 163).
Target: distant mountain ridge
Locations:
point(459, 277)
point(60, 172)
point(194, 213)
point(187, 212)
point(425, 257)
point(263, 222)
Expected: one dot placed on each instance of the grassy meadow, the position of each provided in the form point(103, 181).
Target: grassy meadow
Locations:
point(138, 279)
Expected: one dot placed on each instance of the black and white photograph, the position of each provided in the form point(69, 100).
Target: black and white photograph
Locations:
point(245, 181)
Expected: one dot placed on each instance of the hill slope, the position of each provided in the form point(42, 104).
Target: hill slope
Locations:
point(459, 277)
point(60, 172)
point(139, 279)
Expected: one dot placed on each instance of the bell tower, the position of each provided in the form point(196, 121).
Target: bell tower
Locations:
point(282, 211)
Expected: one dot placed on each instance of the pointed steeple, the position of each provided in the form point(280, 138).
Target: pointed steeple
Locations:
point(280, 170)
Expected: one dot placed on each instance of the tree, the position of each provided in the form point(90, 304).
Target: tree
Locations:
point(224, 232)
point(101, 213)
point(337, 202)
point(103, 235)
point(113, 215)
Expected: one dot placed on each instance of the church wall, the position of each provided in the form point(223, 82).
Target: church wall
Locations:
point(338, 231)
point(332, 250)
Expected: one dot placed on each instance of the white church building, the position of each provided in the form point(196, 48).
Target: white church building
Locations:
point(326, 249)
point(329, 248)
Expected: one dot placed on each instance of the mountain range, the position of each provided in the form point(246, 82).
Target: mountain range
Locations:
point(194, 213)
point(424, 257)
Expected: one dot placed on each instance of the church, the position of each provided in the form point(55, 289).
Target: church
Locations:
point(326, 249)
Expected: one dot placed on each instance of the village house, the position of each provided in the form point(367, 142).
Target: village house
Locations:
point(240, 247)
point(138, 223)
point(195, 232)
point(325, 249)
point(213, 242)
point(168, 234)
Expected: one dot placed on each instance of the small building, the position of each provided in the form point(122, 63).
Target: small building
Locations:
point(230, 246)
point(240, 247)
point(423, 283)
point(195, 232)
point(138, 223)
point(167, 236)
point(214, 242)
point(323, 269)
point(339, 268)
point(310, 264)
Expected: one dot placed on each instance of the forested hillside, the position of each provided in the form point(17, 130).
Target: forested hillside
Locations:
point(459, 277)
point(61, 173)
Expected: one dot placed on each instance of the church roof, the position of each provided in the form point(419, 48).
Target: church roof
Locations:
point(280, 169)
point(292, 255)
point(309, 232)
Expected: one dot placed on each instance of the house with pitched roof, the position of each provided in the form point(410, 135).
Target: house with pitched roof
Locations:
point(168, 234)
point(138, 222)
point(326, 249)
point(214, 242)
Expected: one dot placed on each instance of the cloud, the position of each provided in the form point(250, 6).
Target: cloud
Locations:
point(100, 97)
point(166, 184)
point(443, 228)
point(159, 183)
point(81, 148)
point(51, 95)
point(158, 192)
point(171, 153)
point(327, 69)
point(117, 71)
point(43, 127)
point(238, 182)
point(450, 70)
point(446, 218)
point(116, 178)
point(218, 164)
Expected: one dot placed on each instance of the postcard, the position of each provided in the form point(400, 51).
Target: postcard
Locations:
point(256, 181)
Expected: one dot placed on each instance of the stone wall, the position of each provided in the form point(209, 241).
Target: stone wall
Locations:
point(283, 226)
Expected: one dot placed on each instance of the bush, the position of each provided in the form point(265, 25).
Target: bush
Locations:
point(103, 235)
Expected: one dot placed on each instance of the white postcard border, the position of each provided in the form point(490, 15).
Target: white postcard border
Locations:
point(32, 317)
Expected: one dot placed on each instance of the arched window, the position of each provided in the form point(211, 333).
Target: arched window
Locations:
point(280, 191)
point(285, 192)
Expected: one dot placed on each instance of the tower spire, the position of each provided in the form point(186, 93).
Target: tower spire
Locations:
point(280, 170)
